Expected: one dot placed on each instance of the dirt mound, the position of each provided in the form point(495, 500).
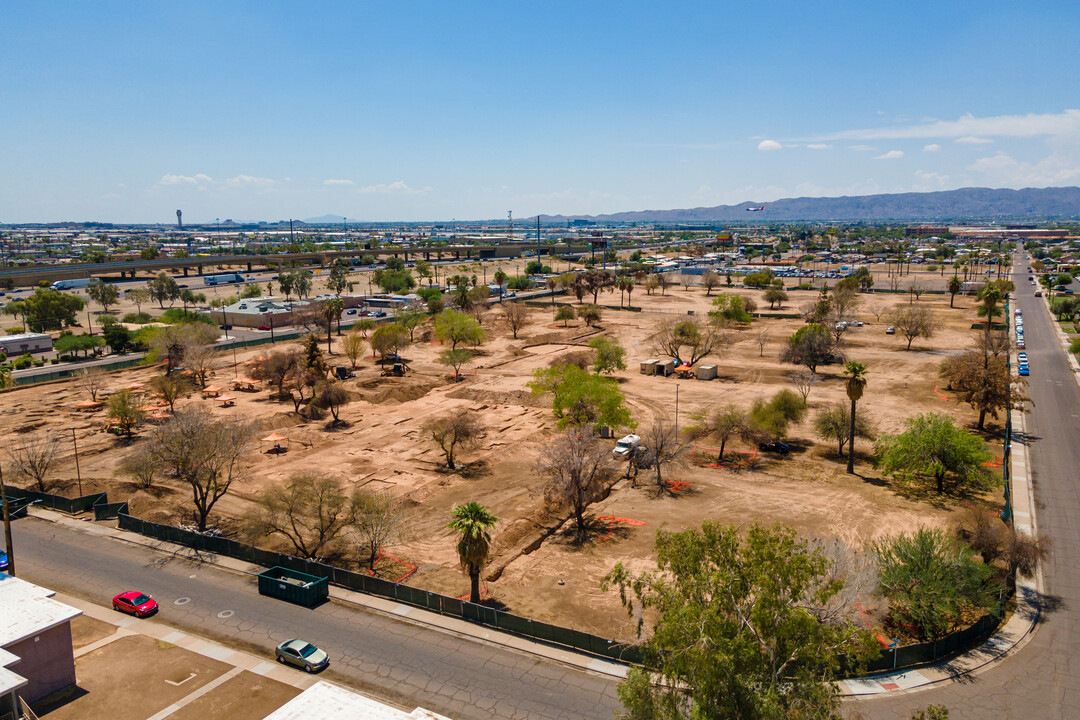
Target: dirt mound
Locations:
point(394, 390)
point(496, 397)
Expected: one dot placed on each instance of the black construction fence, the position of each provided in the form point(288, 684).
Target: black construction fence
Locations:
point(892, 658)
point(369, 585)
point(97, 502)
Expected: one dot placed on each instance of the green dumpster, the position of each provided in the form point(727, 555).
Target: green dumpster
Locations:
point(296, 587)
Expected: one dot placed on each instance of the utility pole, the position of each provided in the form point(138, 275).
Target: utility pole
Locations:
point(510, 232)
point(7, 525)
point(78, 472)
point(537, 238)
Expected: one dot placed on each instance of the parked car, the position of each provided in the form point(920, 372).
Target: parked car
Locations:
point(890, 330)
point(1022, 357)
point(302, 655)
point(624, 446)
point(775, 446)
point(1024, 370)
point(1038, 293)
point(264, 327)
point(135, 603)
point(3, 561)
point(1020, 343)
point(350, 311)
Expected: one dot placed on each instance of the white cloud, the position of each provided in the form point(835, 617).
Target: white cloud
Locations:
point(972, 140)
point(932, 147)
point(395, 188)
point(768, 145)
point(819, 146)
point(1061, 166)
point(929, 181)
point(170, 179)
point(250, 180)
point(891, 155)
point(1030, 125)
point(338, 182)
point(862, 148)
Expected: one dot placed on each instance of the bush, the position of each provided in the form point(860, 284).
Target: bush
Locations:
point(138, 318)
point(178, 316)
point(23, 361)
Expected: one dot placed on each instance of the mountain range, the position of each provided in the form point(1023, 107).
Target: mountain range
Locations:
point(962, 204)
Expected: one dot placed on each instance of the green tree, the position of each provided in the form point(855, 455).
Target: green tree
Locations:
point(738, 630)
point(330, 312)
point(251, 290)
point(580, 398)
point(811, 345)
point(389, 339)
point(610, 355)
point(983, 381)
point(771, 417)
point(776, 297)
point(410, 318)
point(459, 430)
point(954, 286)
point(457, 328)
point(721, 424)
point(103, 293)
point(70, 344)
point(834, 423)
point(473, 523)
point(565, 313)
point(455, 359)
point(48, 309)
point(123, 409)
point(990, 299)
point(930, 578)
point(687, 341)
point(500, 279)
point(163, 288)
point(855, 384)
point(934, 446)
point(310, 509)
point(117, 337)
point(730, 307)
point(590, 314)
point(338, 280)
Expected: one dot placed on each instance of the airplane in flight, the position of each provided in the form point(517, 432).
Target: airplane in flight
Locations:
point(757, 209)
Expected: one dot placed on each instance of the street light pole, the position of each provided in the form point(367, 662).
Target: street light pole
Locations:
point(7, 525)
point(78, 472)
point(676, 410)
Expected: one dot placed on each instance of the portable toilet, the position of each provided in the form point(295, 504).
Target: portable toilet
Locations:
point(665, 367)
point(648, 367)
point(706, 372)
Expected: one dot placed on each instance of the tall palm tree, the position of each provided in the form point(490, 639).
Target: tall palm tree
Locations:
point(331, 310)
point(989, 298)
point(473, 521)
point(954, 286)
point(856, 383)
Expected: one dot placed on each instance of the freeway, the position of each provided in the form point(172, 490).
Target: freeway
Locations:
point(1042, 680)
point(398, 661)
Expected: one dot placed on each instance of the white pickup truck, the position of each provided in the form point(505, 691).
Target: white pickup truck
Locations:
point(624, 446)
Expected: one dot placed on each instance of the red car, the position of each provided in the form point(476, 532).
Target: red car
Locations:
point(135, 603)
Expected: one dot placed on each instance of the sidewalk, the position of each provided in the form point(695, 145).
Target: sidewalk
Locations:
point(408, 613)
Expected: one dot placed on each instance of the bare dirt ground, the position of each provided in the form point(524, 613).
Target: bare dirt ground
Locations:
point(382, 448)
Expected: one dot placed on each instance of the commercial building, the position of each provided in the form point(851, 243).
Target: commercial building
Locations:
point(25, 343)
point(36, 655)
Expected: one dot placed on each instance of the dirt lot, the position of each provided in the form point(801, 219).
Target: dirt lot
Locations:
point(382, 448)
point(134, 677)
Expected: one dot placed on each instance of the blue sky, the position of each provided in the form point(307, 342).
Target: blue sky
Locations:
point(124, 112)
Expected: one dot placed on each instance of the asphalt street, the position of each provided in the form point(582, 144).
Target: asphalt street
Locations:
point(1042, 680)
point(398, 661)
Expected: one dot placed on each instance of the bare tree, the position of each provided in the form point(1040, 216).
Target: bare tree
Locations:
point(516, 316)
point(310, 509)
point(711, 280)
point(378, 520)
point(804, 381)
point(664, 281)
point(665, 449)
point(672, 337)
point(721, 424)
point(877, 310)
point(915, 321)
point(853, 575)
point(762, 339)
point(92, 380)
point(276, 369)
point(141, 465)
point(33, 457)
point(204, 453)
point(579, 469)
point(460, 430)
point(916, 289)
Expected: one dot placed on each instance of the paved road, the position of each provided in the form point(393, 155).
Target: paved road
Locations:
point(395, 660)
point(1043, 679)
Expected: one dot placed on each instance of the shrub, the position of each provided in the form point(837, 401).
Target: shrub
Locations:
point(23, 361)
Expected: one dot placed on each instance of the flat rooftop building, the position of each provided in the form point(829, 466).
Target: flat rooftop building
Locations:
point(36, 655)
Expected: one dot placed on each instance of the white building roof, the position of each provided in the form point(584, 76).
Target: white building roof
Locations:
point(323, 701)
point(25, 610)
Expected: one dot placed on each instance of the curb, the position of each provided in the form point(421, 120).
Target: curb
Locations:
point(399, 611)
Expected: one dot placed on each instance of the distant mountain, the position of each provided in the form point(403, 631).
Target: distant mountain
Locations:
point(329, 220)
point(963, 204)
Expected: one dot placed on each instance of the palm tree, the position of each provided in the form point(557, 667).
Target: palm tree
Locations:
point(990, 297)
point(954, 286)
point(625, 284)
point(500, 278)
point(473, 521)
point(856, 383)
point(331, 310)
